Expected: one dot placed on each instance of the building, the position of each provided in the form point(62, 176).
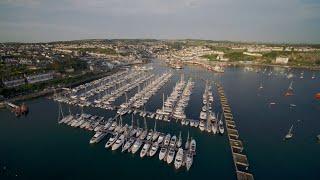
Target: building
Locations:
point(31, 79)
point(282, 60)
point(14, 82)
point(252, 54)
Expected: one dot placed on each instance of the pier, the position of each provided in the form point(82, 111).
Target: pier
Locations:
point(240, 160)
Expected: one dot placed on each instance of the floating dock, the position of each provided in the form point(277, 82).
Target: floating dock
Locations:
point(239, 158)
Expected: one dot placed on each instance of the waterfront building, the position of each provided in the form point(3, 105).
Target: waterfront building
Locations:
point(9, 83)
point(31, 79)
point(282, 60)
point(252, 54)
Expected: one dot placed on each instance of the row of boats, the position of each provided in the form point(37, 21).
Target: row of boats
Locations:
point(82, 93)
point(182, 103)
point(176, 102)
point(140, 98)
point(208, 120)
point(130, 138)
point(103, 92)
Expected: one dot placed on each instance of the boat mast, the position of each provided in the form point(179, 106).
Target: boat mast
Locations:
point(132, 119)
point(145, 123)
point(138, 123)
point(69, 111)
point(155, 126)
point(59, 111)
point(290, 86)
point(120, 120)
point(162, 102)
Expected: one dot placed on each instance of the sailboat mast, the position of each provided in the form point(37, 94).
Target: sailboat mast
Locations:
point(145, 123)
point(162, 102)
point(132, 120)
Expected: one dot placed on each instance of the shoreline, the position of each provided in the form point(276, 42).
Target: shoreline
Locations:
point(235, 64)
point(44, 93)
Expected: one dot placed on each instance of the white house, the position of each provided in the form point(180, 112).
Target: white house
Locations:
point(282, 60)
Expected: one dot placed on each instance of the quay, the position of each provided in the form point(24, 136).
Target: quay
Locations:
point(240, 160)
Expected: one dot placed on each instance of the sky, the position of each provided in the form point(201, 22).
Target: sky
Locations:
point(288, 21)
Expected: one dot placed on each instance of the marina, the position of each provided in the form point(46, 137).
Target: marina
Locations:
point(132, 138)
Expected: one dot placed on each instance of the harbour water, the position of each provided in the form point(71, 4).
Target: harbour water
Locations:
point(37, 147)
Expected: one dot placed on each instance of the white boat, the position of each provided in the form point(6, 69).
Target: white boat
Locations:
point(196, 123)
point(179, 142)
point(136, 146)
point(154, 149)
point(161, 138)
point(133, 132)
point(193, 145)
point(173, 141)
point(179, 159)
point(143, 134)
point(155, 135)
point(167, 140)
point(189, 160)
point(289, 134)
point(214, 128)
point(170, 155)
point(139, 131)
point(97, 137)
point(118, 128)
point(202, 125)
point(149, 136)
point(187, 144)
point(128, 144)
point(118, 142)
point(163, 153)
point(113, 126)
point(203, 115)
point(145, 149)
point(220, 127)
point(209, 127)
point(112, 140)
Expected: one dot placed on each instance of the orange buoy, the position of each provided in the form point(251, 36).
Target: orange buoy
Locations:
point(317, 96)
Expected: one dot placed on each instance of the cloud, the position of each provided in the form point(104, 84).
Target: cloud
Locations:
point(260, 20)
point(22, 3)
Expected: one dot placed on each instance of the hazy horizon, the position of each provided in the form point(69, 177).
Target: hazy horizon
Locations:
point(274, 21)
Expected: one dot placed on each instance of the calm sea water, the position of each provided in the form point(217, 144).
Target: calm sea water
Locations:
point(36, 147)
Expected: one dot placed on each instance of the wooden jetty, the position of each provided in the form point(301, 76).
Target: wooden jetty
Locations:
point(240, 160)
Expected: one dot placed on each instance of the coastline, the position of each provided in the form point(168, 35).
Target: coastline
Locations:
point(236, 64)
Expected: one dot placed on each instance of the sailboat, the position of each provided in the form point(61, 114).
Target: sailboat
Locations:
point(179, 142)
point(220, 126)
point(139, 130)
point(214, 125)
point(145, 131)
point(289, 134)
point(289, 92)
point(301, 75)
point(313, 76)
point(260, 87)
point(187, 145)
point(155, 134)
